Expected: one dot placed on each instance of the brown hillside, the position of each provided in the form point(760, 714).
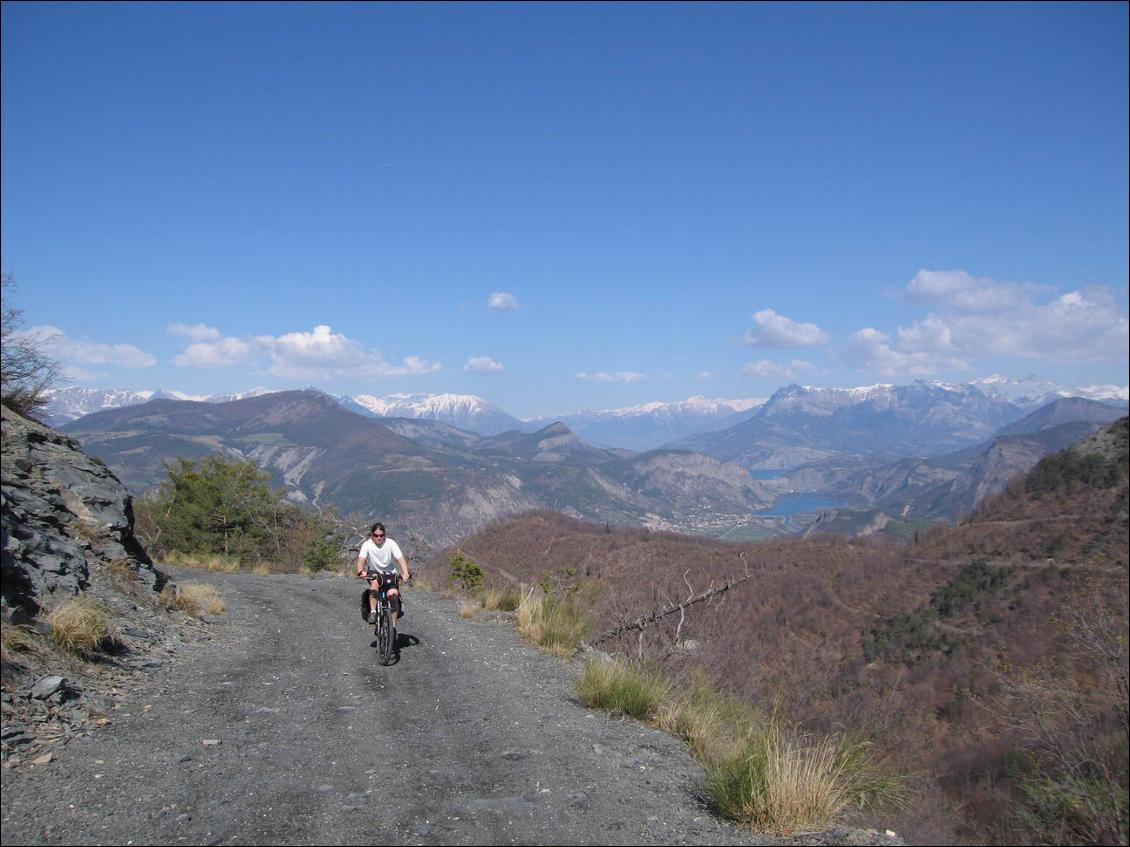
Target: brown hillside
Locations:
point(942, 654)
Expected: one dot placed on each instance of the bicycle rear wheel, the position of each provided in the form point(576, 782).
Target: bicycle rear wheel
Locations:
point(384, 636)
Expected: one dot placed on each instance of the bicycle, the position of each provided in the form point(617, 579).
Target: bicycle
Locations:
point(384, 629)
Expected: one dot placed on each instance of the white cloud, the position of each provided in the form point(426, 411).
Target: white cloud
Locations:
point(197, 332)
point(775, 370)
point(775, 330)
point(619, 376)
point(73, 351)
point(705, 375)
point(978, 316)
point(483, 365)
point(323, 354)
point(214, 354)
point(501, 301)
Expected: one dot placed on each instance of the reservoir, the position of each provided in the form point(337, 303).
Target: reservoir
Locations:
point(798, 504)
point(769, 473)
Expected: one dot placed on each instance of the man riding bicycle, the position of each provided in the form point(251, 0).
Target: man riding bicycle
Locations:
point(375, 562)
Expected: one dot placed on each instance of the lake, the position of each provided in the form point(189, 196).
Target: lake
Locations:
point(798, 504)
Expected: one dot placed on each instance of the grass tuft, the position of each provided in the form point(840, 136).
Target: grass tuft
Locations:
point(467, 609)
point(81, 626)
point(16, 640)
point(618, 688)
point(194, 599)
point(501, 599)
point(203, 561)
point(759, 772)
point(557, 626)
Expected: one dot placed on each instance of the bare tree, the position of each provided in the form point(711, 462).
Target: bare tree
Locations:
point(26, 372)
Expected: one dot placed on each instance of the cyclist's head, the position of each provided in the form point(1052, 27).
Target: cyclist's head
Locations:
point(378, 531)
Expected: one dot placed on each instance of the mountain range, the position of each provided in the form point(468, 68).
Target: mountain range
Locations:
point(435, 480)
point(874, 454)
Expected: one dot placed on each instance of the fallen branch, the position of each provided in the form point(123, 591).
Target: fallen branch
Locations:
point(659, 613)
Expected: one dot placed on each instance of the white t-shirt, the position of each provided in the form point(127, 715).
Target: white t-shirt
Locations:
point(382, 558)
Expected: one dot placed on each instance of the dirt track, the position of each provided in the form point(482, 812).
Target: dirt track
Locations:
point(472, 738)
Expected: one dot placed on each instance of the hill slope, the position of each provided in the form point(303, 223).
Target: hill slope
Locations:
point(906, 646)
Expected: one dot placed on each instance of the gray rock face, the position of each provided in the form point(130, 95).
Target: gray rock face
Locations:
point(61, 513)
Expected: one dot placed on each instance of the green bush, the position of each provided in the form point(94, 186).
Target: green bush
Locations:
point(467, 572)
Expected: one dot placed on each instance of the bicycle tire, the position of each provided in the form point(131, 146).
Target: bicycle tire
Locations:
point(384, 637)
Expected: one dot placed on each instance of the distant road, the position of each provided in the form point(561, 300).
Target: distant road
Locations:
point(473, 738)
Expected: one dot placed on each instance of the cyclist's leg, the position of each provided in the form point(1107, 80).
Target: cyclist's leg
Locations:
point(394, 604)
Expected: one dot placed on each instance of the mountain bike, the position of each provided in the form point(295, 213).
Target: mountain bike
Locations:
point(384, 629)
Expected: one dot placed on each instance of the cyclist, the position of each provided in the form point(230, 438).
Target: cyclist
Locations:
point(375, 560)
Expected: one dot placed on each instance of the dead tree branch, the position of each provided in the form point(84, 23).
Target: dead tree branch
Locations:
point(642, 623)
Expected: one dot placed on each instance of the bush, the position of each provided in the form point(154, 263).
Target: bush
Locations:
point(468, 573)
point(26, 372)
point(217, 509)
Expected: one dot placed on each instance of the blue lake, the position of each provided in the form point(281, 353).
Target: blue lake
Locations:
point(772, 473)
point(798, 504)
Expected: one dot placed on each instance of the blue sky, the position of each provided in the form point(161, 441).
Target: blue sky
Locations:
point(567, 206)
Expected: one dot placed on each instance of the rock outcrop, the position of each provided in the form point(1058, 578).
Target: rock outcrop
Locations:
point(62, 513)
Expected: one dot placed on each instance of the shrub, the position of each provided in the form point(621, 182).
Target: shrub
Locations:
point(81, 625)
point(468, 573)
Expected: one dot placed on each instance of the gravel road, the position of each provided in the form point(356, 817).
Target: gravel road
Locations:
point(281, 728)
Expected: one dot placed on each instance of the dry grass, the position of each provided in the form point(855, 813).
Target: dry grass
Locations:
point(467, 609)
point(18, 640)
point(501, 599)
point(779, 781)
point(203, 561)
point(618, 688)
point(81, 625)
point(194, 598)
point(556, 626)
point(759, 772)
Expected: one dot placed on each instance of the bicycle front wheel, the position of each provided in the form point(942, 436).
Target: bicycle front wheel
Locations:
point(384, 637)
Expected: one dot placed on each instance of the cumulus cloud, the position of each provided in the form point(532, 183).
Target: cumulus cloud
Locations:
point(197, 332)
point(323, 354)
point(483, 365)
point(501, 301)
point(619, 376)
point(777, 331)
point(977, 316)
point(219, 353)
point(775, 370)
point(78, 352)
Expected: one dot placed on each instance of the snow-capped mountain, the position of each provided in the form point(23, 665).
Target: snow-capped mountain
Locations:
point(68, 404)
point(1032, 392)
point(801, 425)
point(648, 425)
point(465, 411)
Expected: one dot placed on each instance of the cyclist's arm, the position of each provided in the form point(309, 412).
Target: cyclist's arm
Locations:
point(360, 566)
point(404, 572)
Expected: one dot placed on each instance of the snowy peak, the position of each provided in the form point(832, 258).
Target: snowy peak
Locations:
point(465, 411)
point(1032, 391)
